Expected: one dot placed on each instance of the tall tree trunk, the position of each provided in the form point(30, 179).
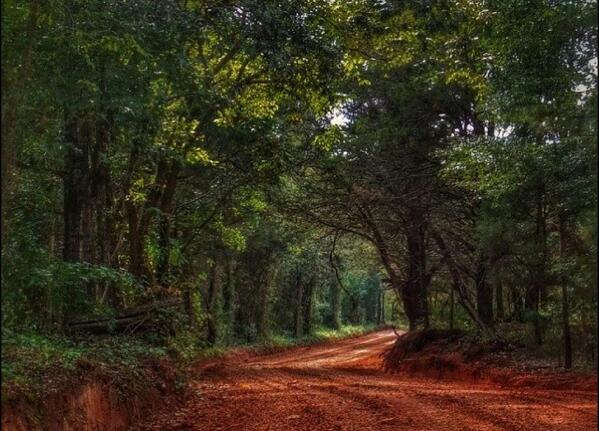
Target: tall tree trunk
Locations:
point(101, 191)
point(160, 195)
point(299, 294)
point(229, 294)
point(414, 292)
point(139, 223)
point(166, 218)
point(213, 299)
point(536, 290)
point(307, 306)
point(105, 238)
point(383, 251)
point(408, 292)
point(75, 187)
point(565, 300)
point(353, 301)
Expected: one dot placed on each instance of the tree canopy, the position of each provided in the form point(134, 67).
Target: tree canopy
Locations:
point(275, 166)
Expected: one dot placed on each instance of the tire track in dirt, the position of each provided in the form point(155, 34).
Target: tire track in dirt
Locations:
point(341, 387)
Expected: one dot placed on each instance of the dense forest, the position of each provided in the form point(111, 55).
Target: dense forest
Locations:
point(230, 172)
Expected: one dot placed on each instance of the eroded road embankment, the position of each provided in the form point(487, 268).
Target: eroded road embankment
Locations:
point(340, 386)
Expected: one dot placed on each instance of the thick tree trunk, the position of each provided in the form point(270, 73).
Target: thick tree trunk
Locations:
point(390, 268)
point(414, 292)
point(87, 197)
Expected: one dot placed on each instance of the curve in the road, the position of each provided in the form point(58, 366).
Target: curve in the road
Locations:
point(340, 386)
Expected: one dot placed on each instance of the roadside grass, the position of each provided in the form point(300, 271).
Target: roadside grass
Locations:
point(36, 365)
point(319, 335)
point(323, 333)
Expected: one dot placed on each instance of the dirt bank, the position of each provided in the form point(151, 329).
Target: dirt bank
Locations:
point(451, 355)
point(92, 403)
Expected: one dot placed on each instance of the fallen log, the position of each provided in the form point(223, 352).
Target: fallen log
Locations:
point(127, 322)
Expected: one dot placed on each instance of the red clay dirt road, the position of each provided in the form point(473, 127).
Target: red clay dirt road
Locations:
point(340, 386)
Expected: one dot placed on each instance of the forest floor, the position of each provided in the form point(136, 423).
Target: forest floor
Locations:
point(341, 386)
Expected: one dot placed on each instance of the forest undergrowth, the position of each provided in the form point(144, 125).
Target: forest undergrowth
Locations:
point(35, 366)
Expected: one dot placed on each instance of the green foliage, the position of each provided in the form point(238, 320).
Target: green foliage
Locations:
point(159, 151)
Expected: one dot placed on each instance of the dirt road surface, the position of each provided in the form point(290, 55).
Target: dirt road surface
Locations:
point(340, 386)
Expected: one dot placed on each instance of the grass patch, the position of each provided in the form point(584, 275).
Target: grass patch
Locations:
point(319, 335)
point(345, 332)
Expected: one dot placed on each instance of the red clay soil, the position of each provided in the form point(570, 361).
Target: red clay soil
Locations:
point(341, 386)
